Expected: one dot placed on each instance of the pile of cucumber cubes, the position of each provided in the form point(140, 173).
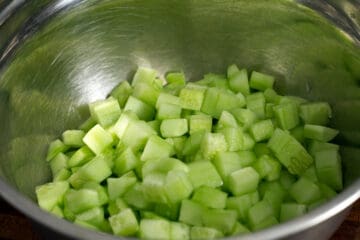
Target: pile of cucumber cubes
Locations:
point(222, 156)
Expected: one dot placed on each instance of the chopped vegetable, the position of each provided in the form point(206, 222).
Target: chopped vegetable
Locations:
point(202, 160)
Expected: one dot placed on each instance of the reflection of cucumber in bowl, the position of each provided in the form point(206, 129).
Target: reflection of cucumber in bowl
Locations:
point(82, 53)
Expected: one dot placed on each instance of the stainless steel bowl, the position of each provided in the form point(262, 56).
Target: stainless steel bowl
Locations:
point(56, 56)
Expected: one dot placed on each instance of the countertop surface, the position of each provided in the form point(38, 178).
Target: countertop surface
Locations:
point(15, 226)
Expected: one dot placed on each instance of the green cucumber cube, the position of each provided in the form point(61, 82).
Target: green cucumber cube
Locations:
point(143, 110)
point(73, 138)
point(137, 134)
point(213, 143)
point(88, 124)
point(259, 212)
point(97, 139)
point(305, 191)
point(193, 143)
point(286, 179)
point(117, 187)
point(221, 219)
point(55, 148)
point(154, 229)
point(260, 81)
point(192, 96)
point(231, 70)
point(101, 190)
point(256, 103)
point(179, 144)
point(286, 115)
point(239, 229)
point(243, 181)
point(80, 157)
point(93, 216)
point(289, 152)
point(122, 92)
point(167, 98)
point(239, 82)
point(226, 120)
point(124, 223)
point(201, 233)
point(174, 127)
point(262, 130)
point(215, 80)
point(176, 77)
point(191, 213)
point(148, 93)
point(245, 117)
point(200, 122)
point(310, 174)
point(154, 188)
point(136, 198)
point(246, 158)
point(203, 173)
point(105, 112)
point(51, 194)
point(58, 163)
point(163, 165)
point(144, 75)
point(248, 142)
point(242, 204)
point(316, 146)
point(266, 223)
point(234, 138)
point(122, 123)
point(167, 211)
point(62, 175)
point(177, 186)
point(328, 168)
point(320, 133)
point(179, 231)
point(291, 210)
point(78, 201)
point(96, 170)
point(317, 113)
point(226, 163)
point(125, 162)
point(210, 197)
point(268, 168)
point(326, 191)
point(168, 111)
point(210, 100)
point(228, 100)
point(155, 148)
point(116, 206)
point(271, 96)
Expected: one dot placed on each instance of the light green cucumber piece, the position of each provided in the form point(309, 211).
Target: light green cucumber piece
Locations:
point(243, 181)
point(143, 110)
point(201, 233)
point(260, 81)
point(122, 92)
point(262, 130)
point(73, 138)
point(51, 194)
point(200, 122)
point(317, 113)
point(168, 111)
point(242, 204)
point(174, 127)
point(105, 112)
point(56, 147)
point(124, 223)
point(204, 173)
point(117, 187)
point(291, 210)
point(177, 186)
point(98, 139)
point(210, 197)
point(320, 133)
point(156, 148)
point(154, 229)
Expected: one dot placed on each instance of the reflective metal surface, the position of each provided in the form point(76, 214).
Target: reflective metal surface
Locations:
point(57, 58)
